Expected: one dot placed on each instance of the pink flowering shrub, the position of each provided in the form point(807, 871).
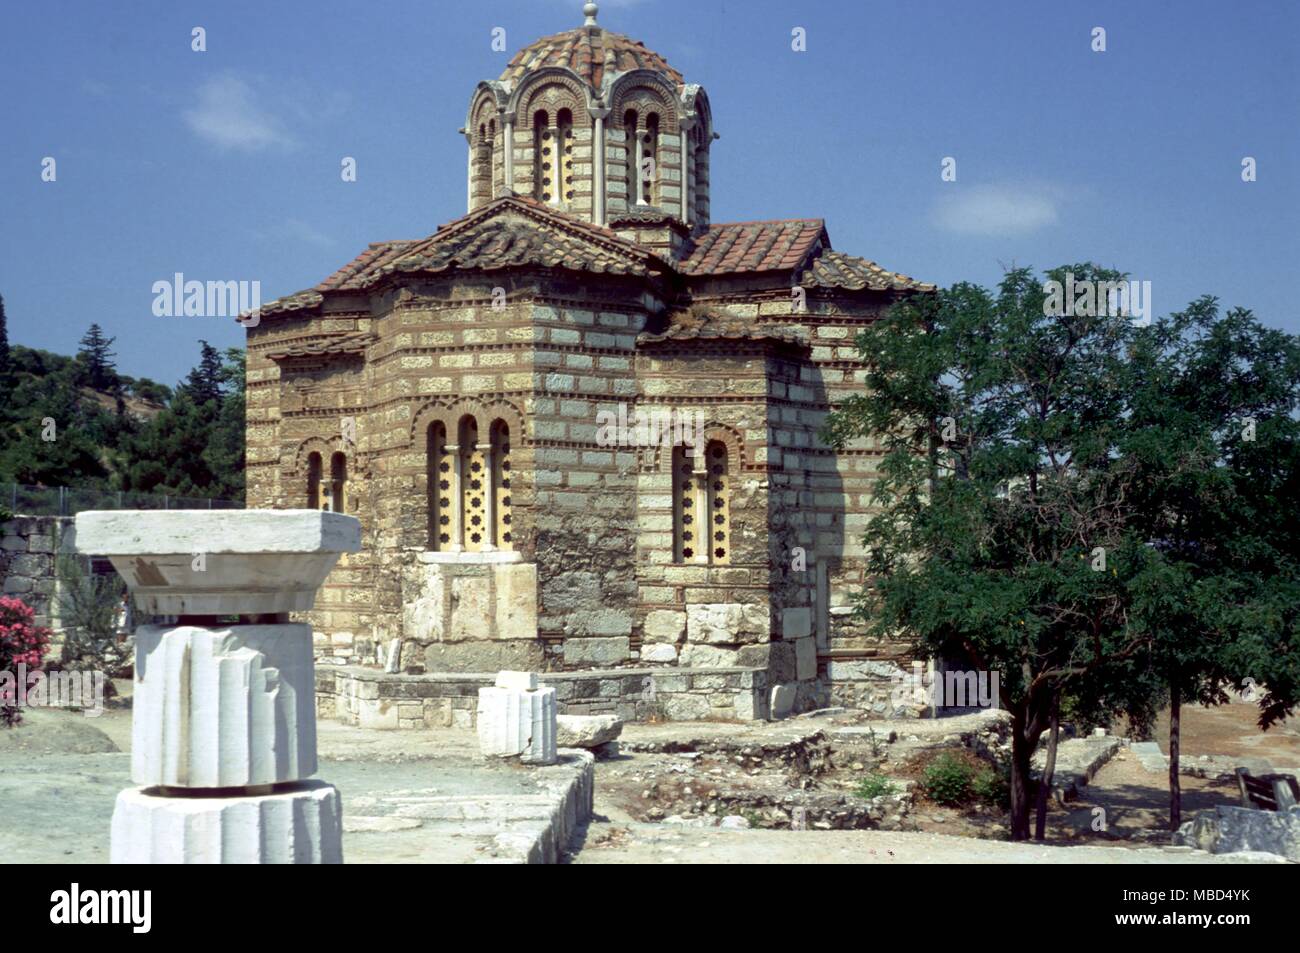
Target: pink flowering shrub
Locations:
point(21, 643)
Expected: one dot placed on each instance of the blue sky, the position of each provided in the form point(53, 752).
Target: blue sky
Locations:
point(224, 165)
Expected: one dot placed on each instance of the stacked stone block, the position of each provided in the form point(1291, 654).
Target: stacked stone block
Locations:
point(223, 732)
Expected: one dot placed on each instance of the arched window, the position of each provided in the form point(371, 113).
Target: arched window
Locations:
point(700, 174)
point(338, 501)
point(501, 495)
point(701, 505)
point(543, 157)
point(649, 171)
point(564, 143)
point(686, 508)
point(496, 159)
point(473, 483)
point(313, 481)
point(719, 498)
point(440, 489)
point(633, 158)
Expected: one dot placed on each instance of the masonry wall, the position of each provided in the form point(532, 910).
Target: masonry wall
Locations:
point(28, 549)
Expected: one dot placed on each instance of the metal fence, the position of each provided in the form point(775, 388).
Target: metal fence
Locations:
point(68, 501)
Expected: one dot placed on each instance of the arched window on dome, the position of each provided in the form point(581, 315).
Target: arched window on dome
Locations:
point(313, 481)
point(564, 148)
point(338, 496)
point(699, 173)
point(632, 160)
point(495, 159)
point(649, 162)
point(543, 157)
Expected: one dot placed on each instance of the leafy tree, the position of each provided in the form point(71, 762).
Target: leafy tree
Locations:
point(1001, 532)
point(1214, 440)
point(96, 359)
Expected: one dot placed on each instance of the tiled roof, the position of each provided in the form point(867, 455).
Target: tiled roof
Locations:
point(589, 53)
point(722, 327)
point(337, 344)
point(833, 269)
point(511, 231)
point(733, 247)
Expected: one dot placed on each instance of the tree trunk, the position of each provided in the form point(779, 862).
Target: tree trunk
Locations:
point(1175, 788)
point(1049, 769)
point(1021, 753)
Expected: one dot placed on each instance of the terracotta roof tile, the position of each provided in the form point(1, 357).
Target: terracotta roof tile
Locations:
point(732, 247)
point(833, 269)
point(512, 231)
point(720, 326)
point(588, 53)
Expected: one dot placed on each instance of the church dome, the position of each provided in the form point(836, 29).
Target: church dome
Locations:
point(589, 51)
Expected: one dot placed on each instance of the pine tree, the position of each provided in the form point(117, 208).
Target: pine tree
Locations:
point(97, 367)
point(4, 345)
point(204, 384)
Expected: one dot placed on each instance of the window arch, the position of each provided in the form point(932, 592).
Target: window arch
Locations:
point(313, 481)
point(702, 504)
point(543, 157)
point(338, 498)
point(440, 487)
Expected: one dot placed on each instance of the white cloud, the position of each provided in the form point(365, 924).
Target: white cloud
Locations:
point(294, 230)
point(229, 115)
point(997, 210)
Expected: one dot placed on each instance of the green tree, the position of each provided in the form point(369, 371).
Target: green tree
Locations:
point(1001, 535)
point(205, 382)
point(97, 369)
point(1214, 439)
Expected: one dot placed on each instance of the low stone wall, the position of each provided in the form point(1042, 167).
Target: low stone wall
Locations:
point(370, 698)
point(28, 545)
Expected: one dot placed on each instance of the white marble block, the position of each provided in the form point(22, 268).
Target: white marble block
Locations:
point(300, 826)
point(220, 562)
point(514, 723)
point(219, 708)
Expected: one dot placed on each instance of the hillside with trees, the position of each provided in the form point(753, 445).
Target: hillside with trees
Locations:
point(78, 422)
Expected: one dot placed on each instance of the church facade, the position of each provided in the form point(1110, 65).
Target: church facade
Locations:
point(579, 424)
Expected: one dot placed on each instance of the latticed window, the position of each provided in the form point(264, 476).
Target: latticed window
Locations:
point(440, 487)
point(501, 477)
point(701, 505)
point(543, 158)
point(564, 143)
point(719, 499)
point(473, 482)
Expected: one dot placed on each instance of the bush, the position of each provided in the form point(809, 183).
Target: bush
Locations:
point(948, 780)
point(874, 785)
point(993, 787)
point(89, 608)
point(21, 643)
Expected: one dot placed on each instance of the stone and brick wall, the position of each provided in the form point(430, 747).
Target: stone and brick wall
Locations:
point(29, 546)
point(371, 699)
